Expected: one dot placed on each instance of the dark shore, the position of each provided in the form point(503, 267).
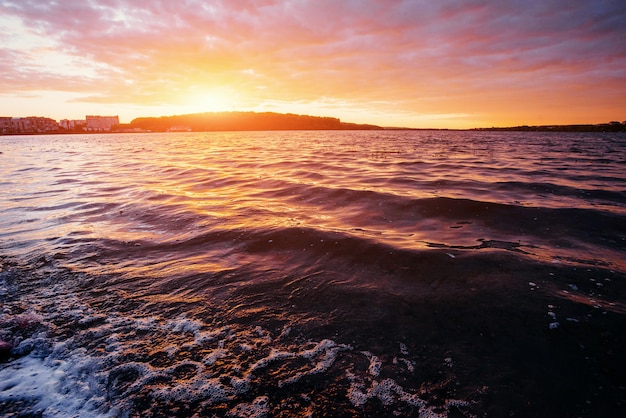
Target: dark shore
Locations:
point(507, 336)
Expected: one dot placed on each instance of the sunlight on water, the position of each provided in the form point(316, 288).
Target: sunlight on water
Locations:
point(389, 188)
point(301, 272)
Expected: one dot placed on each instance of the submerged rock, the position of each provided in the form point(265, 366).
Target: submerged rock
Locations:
point(5, 350)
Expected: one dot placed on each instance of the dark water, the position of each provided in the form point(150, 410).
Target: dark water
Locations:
point(389, 273)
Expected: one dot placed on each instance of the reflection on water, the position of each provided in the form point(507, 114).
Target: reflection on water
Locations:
point(305, 272)
point(405, 189)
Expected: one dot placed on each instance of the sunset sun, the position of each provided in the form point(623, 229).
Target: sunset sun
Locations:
point(199, 99)
point(406, 63)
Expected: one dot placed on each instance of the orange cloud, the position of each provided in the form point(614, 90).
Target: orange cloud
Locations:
point(415, 63)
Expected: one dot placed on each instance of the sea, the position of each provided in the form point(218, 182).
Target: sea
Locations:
point(313, 274)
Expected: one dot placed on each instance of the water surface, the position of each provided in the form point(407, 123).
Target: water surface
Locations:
point(377, 273)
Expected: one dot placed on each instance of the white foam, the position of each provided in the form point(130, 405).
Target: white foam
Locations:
point(264, 334)
point(375, 363)
point(86, 320)
point(389, 392)
point(214, 356)
point(142, 371)
point(245, 347)
point(410, 365)
point(205, 337)
point(145, 324)
point(230, 368)
point(259, 408)
point(274, 355)
point(321, 356)
point(210, 390)
point(46, 383)
point(184, 325)
point(240, 386)
point(39, 344)
point(357, 394)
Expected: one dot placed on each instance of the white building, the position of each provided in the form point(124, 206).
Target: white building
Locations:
point(72, 124)
point(101, 123)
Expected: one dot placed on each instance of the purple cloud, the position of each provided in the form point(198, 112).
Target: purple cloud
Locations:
point(350, 49)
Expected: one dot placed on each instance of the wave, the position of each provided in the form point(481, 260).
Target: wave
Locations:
point(339, 220)
point(358, 274)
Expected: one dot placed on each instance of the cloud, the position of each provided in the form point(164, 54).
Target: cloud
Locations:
point(427, 57)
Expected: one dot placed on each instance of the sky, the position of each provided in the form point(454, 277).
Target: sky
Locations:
point(410, 63)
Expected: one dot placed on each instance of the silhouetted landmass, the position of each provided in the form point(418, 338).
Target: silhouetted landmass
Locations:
point(240, 121)
point(603, 127)
point(243, 121)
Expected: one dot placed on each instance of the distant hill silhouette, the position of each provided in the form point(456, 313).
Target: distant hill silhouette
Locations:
point(602, 127)
point(243, 121)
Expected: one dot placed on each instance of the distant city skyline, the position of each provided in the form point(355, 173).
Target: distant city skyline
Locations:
point(44, 124)
point(236, 121)
point(412, 63)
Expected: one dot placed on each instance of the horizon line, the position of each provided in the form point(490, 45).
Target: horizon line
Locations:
point(370, 125)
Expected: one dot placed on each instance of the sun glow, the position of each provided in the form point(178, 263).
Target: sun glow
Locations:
point(361, 63)
point(209, 100)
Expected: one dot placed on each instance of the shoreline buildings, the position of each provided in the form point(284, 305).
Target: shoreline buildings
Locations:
point(40, 125)
point(30, 124)
point(101, 123)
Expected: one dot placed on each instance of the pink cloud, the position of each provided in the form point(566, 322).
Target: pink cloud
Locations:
point(420, 53)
